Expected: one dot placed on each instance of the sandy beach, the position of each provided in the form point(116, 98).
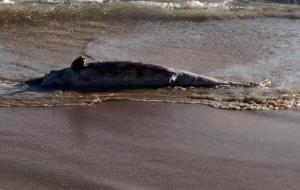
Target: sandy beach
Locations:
point(130, 145)
point(47, 144)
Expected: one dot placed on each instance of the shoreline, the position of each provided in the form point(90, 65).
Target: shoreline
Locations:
point(143, 145)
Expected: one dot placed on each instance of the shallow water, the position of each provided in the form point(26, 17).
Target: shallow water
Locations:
point(262, 50)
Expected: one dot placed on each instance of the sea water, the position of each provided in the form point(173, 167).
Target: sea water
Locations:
point(239, 41)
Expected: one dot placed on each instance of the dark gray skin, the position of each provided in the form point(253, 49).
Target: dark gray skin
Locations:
point(78, 64)
point(125, 75)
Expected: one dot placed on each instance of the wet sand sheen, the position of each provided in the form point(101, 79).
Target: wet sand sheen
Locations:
point(130, 145)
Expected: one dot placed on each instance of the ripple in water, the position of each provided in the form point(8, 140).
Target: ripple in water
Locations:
point(260, 50)
point(224, 98)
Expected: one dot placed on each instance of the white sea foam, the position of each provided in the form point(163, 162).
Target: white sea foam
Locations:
point(156, 4)
point(193, 4)
point(7, 2)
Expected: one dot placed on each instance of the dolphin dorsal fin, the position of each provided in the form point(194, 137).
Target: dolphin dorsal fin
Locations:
point(78, 64)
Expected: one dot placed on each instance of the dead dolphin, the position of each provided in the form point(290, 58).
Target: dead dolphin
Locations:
point(123, 74)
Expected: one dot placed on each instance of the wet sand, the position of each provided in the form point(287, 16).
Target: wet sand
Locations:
point(131, 145)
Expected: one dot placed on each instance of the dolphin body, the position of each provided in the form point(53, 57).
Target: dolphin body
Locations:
point(123, 75)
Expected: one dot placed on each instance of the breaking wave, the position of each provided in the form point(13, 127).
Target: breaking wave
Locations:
point(38, 12)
